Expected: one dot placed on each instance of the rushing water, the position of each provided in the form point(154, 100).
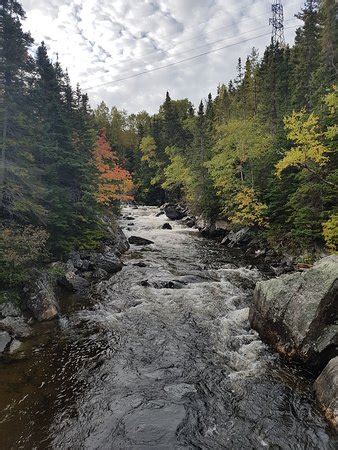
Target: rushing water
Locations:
point(143, 366)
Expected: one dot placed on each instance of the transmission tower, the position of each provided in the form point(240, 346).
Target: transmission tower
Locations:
point(277, 22)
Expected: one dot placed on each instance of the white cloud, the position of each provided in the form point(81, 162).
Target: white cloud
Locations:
point(100, 40)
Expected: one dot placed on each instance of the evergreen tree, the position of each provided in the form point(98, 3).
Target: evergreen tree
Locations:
point(305, 57)
point(20, 189)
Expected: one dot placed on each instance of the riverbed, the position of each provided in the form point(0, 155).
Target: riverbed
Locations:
point(161, 356)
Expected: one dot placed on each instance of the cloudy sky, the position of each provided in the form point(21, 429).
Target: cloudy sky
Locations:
point(99, 41)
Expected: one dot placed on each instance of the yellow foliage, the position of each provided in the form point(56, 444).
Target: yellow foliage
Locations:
point(249, 210)
point(148, 149)
point(304, 131)
point(330, 233)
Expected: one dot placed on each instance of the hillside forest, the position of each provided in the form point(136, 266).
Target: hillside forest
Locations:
point(260, 153)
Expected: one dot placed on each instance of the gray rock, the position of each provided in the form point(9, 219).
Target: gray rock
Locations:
point(9, 309)
point(117, 239)
point(86, 265)
point(296, 313)
point(189, 223)
point(174, 212)
point(5, 339)
point(14, 347)
point(100, 274)
point(166, 226)
point(107, 261)
point(140, 264)
point(41, 300)
point(164, 284)
point(202, 222)
point(237, 238)
point(76, 260)
point(16, 326)
point(136, 240)
point(73, 282)
point(326, 389)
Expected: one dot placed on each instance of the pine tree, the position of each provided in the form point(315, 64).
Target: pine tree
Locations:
point(305, 57)
point(19, 179)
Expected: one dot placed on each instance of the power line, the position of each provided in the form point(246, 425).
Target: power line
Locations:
point(181, 61)
point(193, 38)
point(199, 47)
point(204, 45)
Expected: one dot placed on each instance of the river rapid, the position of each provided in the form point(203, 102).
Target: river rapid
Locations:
point(160, 357)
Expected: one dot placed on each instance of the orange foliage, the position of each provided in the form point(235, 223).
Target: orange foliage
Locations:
point(115, 183)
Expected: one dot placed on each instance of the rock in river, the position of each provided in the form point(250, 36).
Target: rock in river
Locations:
point(5, 339)
point(326, 389)
point(167, 226)
point(106, 261)
point(296, 313)
point(73, 282)
point(41, 300)
point(174, 212)
point(136, 240)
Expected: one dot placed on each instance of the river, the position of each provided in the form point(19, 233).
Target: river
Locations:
point(161, 357)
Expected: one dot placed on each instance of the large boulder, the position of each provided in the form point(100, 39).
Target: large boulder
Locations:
point(137, 240)
point(189, 221)
point(120, 243)
point(326, 389)
point(115, 237)
point(5, 339)
point(15, 326)
point(41, 300)
point(166, 226)
point(174, 212)
point(73, 282)
point(9, 309)
point(296, 313)
point(106, 261)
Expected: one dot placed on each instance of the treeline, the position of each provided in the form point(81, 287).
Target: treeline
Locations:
point(57, 172)
point(262, 153)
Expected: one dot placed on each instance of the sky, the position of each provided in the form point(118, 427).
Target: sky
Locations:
point(100, 41)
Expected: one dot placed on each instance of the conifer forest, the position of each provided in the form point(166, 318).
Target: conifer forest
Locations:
point(259, 156)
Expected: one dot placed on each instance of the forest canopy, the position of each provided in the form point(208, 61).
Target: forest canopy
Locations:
point(261, 153)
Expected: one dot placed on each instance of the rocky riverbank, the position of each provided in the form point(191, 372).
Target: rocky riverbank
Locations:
point(295, 313)
point(40, 298)
point(245, 239)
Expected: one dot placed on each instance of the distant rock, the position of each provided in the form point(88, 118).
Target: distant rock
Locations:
point(106, 261)
point(115, 237)
point(100, 274)
point(130, 218)
point(5, 339)
point(167, 226)
point(296, 313)
point(9, 309)
point(136, 240)
point(41, 300)
point(164, 284)
point(326, 389)
point(73, 282)
point(174, 212)
point(14, 346)
point(159, 214)
point(237, 238)
point(140, 264)
point(189, 222)
point(16, 326)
